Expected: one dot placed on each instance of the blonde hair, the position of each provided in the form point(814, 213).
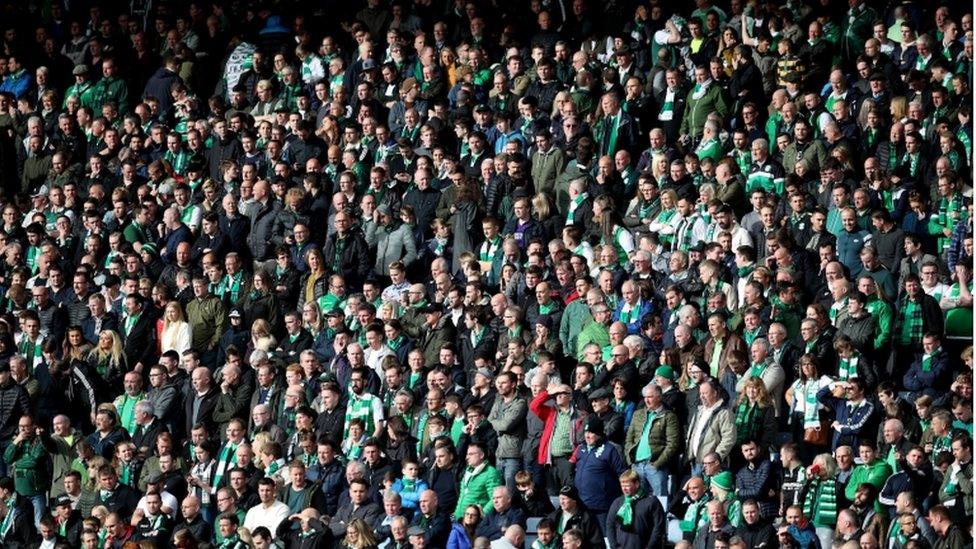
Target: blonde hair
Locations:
point(113, 354)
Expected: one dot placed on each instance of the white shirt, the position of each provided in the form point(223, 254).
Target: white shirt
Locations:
point(169, 502)
point(269, 517)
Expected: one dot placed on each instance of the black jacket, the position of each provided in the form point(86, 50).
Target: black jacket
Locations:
point(14, 403)
point(348, 257)
point(648, 529)
point(122, 500)
point(205, 412)
point(139, 345)
point(437, 528)
point(585, 522)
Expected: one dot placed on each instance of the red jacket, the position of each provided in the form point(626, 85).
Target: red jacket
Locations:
point(547, 413)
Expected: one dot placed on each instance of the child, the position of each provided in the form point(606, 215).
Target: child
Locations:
point(409, 486)
point(201, 477)
point(352, 447)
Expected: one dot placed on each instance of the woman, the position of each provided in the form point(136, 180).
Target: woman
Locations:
point(449, 64)
point(75, 347)
point(261, 303)
point(819, 497)
point(463, 532)
point(358, 536)
point(175, 330)
point(315, 282)
point(543, 210)
point(755, 416)
point(127, 465)
point(108, 360)
point(400, 444)
point(666, 222)
point(851, 363)
point(620, 403)
point(612, 229)
point(464, 219)
point(200, 480)
point(805, 410)
point(261, 338)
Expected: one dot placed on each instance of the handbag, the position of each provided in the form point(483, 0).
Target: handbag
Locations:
point(817, 436)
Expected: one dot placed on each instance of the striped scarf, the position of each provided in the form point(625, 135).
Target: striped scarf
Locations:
point(820, 503)
point(909, 324)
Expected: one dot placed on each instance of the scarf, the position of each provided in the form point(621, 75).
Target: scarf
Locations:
point(700, 90)
point(811, 415)
point(745, 420)
point(667, 108)
point(847, 368)
point(626, 511)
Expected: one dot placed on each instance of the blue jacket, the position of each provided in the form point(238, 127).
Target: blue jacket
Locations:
point(16, 84)
point(459, 538)
point(410, 498)
point(853, 422)
point(634, 322)
point(597, 472)
point(494, 524)
point(849, 247)
point(934, 382)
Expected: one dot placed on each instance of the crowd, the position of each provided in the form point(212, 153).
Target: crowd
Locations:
point(486, 274)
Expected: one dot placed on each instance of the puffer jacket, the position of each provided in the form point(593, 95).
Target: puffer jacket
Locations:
point(13, 404)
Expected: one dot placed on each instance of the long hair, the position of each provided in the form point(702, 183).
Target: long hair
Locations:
point(175, 306)
point(113, 354)
point(762, 399)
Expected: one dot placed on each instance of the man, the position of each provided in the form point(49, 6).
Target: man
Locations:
point(311, 531)
point(507, 418)
point(571, 515)
point(202, 401)
point(853, 413)
point(500, 515)
point(653, 442)
point(346, 251)
point(207, 317)
point(478, 480)
point(359, 507)
point(19, 529)
point(930, 374)
point(151, 525)
point(435, 524)
point(757, 481)
point(138, 331)
point(115, 496)
point(598, 463)
point(951, 535)
point(125, 404)
point(269, 512)
point(27, 457)
point(193, 520)
point(711, 428)
point(635, 519)
point(952, 494)
point(559, 433)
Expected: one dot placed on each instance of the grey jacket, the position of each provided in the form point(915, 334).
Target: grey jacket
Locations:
point(395, 245)
point(508, 420)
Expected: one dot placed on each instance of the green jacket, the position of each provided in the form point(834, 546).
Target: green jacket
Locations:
point(876, 473)
point(959, 485)
point(208, 321)
point(546, 168)
point(83, 91)
point(664, 438)
point(576, 315)
point(112, 89)
point(592, 332)
point(697, 110)
point(476, 488)
point(29, 462)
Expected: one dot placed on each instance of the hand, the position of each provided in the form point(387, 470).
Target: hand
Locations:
point(835, 426)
